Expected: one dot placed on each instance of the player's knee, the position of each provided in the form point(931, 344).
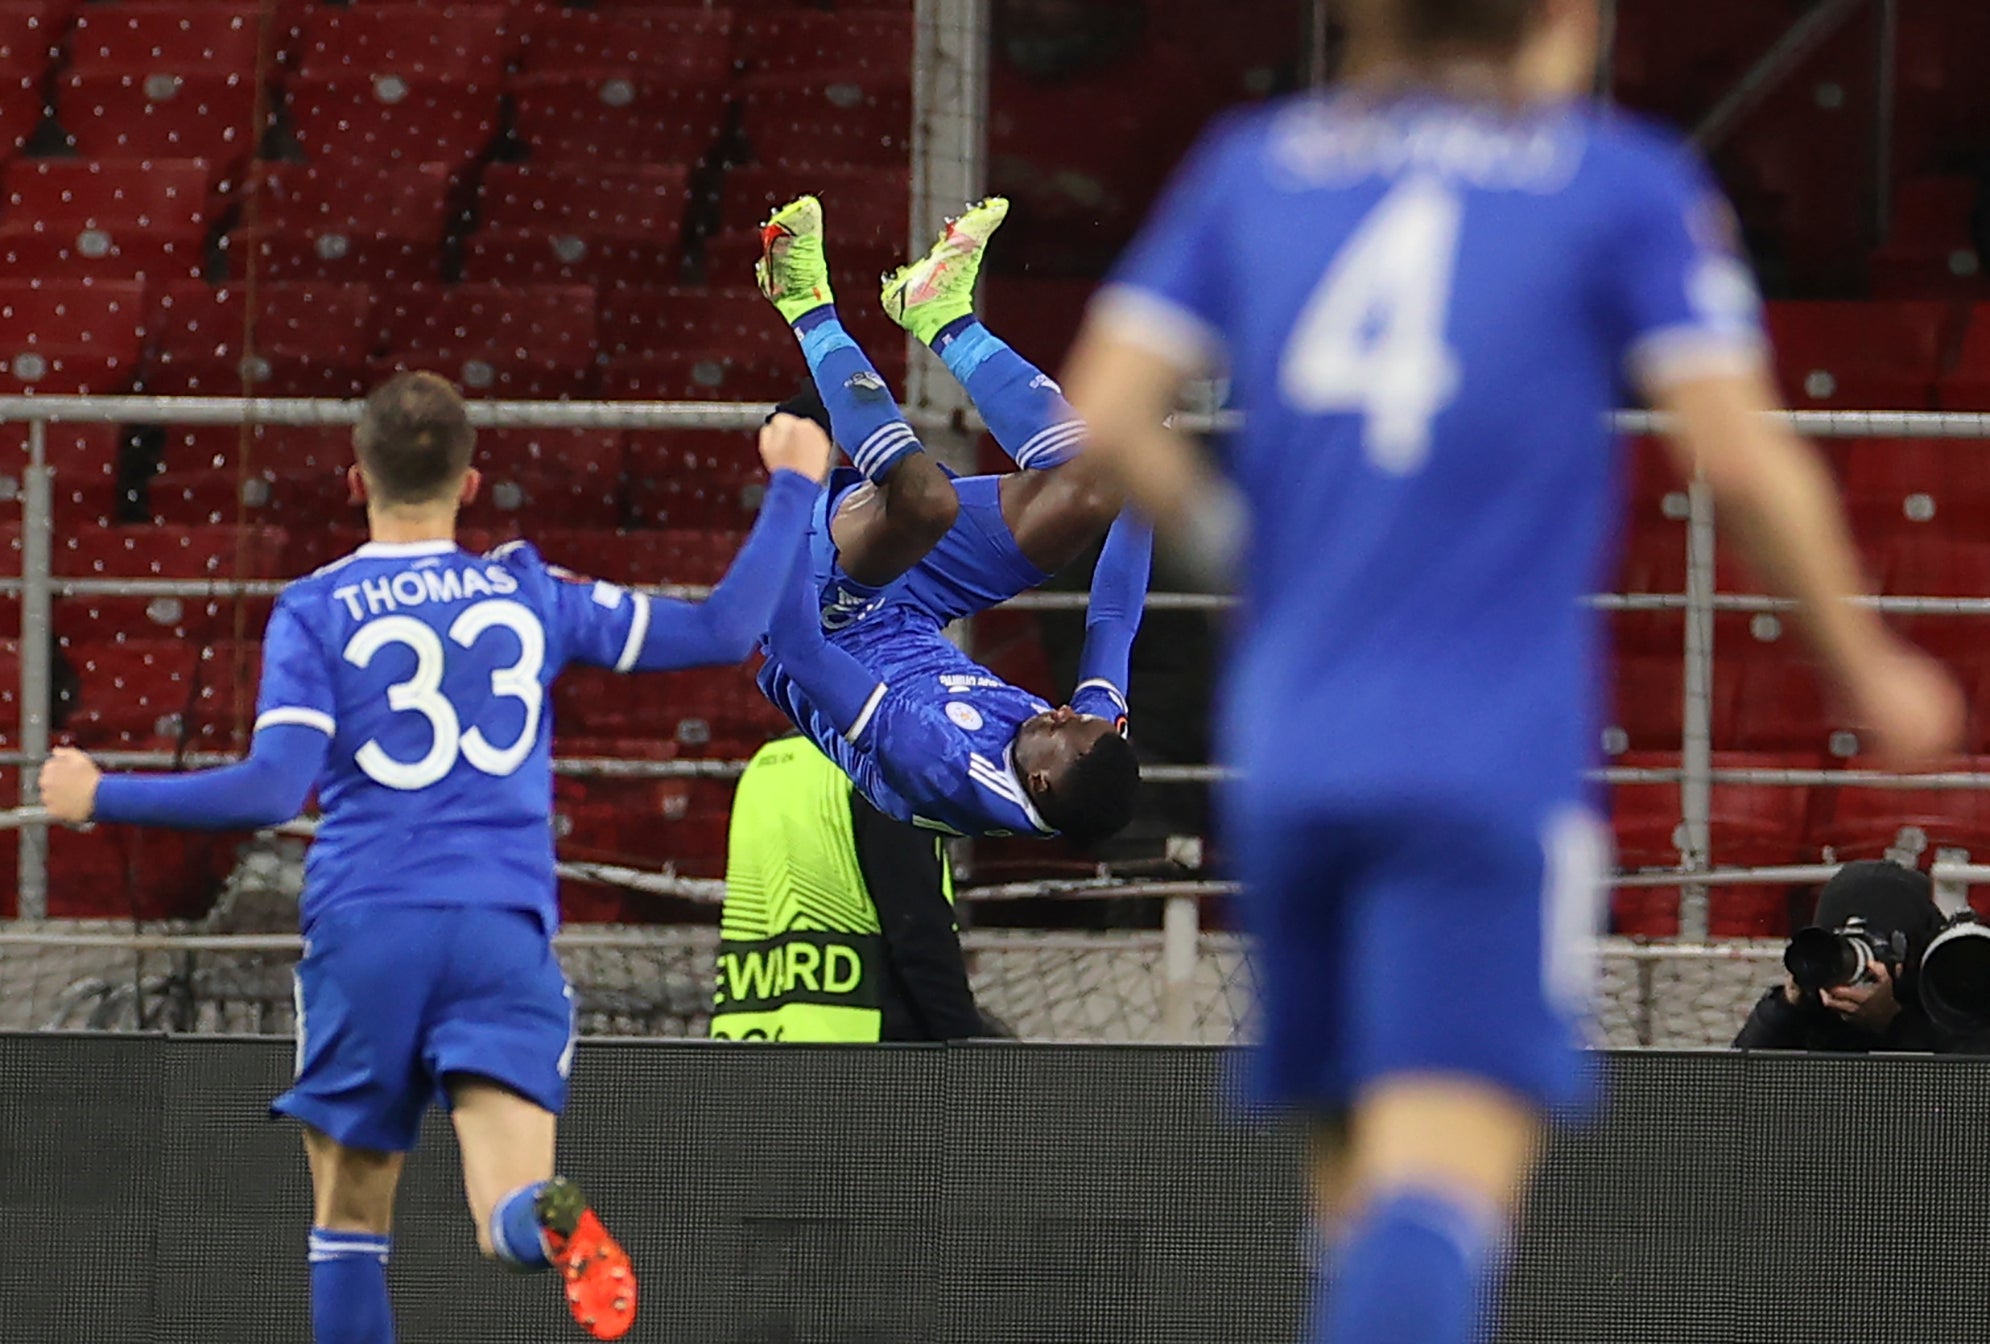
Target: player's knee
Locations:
point(923, 507)
point(1453, 1133)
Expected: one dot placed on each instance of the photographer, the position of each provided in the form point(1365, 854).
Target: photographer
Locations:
point(1887, 915)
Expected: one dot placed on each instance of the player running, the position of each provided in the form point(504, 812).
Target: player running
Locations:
point(858, 657)
point(407, 684)
point(1427, 286)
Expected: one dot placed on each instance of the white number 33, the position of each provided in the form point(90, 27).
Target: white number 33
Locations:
point(422, 693)
point(1371, 338)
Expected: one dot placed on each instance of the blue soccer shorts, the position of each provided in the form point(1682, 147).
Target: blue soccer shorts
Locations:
point(1395, 939)
point(975, 566)
point(393, 1000)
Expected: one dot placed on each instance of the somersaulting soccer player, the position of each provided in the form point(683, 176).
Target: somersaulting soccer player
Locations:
point(858, 658)
point(407, 684)
point(1430, 286)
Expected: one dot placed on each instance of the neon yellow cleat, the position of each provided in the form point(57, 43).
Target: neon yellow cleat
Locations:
point(792, 271)
point(939, 287)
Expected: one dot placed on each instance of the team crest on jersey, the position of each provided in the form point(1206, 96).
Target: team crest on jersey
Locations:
point(964, 715)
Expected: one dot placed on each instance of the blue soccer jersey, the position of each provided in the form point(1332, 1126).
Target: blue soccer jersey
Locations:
point(429, 668)
point(932, 744)
point(1427, 310)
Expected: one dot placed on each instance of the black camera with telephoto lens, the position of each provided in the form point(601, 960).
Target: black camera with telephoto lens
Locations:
point(1819, 958)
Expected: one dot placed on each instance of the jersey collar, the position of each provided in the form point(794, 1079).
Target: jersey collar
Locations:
point(402, 550)
point(1023, 792)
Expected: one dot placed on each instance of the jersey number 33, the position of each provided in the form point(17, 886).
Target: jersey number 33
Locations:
point(422, 693)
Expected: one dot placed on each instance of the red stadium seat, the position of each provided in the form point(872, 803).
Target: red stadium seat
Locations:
point(619, 223)
point(679, 376)
point(730, 323)
point(136, 872)
point(1645, 817)
point(673, 556)
point(792, 41)
point(1862, 823)
point(683, 46)
point(85, 461)
point(811, 121)
point(30, 34)
point(1967, 385)
point(29, 39)
point(1929, 251)
point(1933, 565)
point(356, 222)
point(1780, 706)
point(399, 83)
point(160, 552)
point(1753, 825)
point(70, 335)
point(110, 219)
point(705, 479)
point(309, 340)
point(162, 81)
point(1859, 356)
point(1916, 482)
point(868, 209)
point(535, 479)
point(571, 119)
point(495, 340)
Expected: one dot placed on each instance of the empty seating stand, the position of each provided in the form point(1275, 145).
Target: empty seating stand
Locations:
point(398, 83)
point(154, 81)
point(104, 218)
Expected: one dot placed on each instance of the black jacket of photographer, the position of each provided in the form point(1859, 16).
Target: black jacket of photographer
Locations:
point(1890, 899)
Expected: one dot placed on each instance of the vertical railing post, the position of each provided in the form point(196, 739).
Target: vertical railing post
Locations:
point(1696, 748)
point(35, 655)
point(1181, 946)
point(949, 169)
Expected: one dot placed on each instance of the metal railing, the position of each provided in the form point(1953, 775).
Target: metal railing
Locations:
point(1696, 775)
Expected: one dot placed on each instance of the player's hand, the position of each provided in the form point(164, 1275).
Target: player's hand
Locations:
point(1912, 707)
point(69, 786)
point(788, 442)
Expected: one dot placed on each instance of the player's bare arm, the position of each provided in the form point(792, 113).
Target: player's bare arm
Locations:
point(1771, 487)
point(1125, 388)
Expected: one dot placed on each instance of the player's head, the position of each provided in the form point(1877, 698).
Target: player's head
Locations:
point(1081, 774)
point(1552, 46)
point(413, 442)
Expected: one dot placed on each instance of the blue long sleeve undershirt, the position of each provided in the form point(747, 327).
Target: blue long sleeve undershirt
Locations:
point(271, 786)
point(725, 627)
point(840, 687)
point(1119, 596)
point(267, 789)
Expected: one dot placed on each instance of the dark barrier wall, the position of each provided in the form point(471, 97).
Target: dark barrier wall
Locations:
point(993, 1195)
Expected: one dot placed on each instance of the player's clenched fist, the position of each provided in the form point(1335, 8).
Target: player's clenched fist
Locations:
point(69, 785)
point(788, 441)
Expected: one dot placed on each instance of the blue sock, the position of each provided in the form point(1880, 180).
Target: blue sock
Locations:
point(349, 1289)
point(1409, 1272)
point(1025, 409)
point(515, 1229)
point(863, 416)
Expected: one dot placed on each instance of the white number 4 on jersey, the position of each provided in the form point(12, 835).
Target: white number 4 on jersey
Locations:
point(1371, 339)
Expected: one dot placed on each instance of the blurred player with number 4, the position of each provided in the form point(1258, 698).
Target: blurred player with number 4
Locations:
point(407, 684)
point(1430, 286)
